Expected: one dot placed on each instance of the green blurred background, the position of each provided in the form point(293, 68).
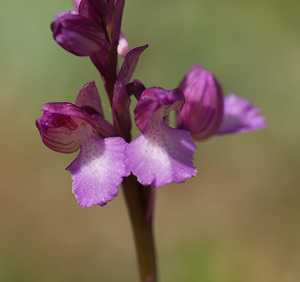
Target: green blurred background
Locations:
point(238, 220)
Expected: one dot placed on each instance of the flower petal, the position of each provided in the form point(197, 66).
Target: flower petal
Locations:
point(202, 112)
point(76, 4)
point(123, 47)
point(78, 35)
point(100, 7)
point(64, 126)
point(115, 24)
point(121, 99)
point(158, 102)
point(240, 116)
point(162, 155)
point(88, 97)
point(98, 170)
point(64, 108)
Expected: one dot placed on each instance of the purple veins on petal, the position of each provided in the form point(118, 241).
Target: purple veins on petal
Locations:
point(64, 126)
point(98, 170)
point(240, 116)
point(101, 164)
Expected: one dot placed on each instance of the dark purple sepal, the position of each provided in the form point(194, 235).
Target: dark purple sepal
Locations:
point(156, 101)
point(88, 99)
point(115, 22)
point(135, 88)
point(130, 63)
point(105, 128)
point(86, 10)
point(101, 8)
point(103, 65)
point(121, 99)
point(78, 35)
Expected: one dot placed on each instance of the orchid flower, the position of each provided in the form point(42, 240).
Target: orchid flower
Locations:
point(161, 154)
point(100, 166)
point(206, 112)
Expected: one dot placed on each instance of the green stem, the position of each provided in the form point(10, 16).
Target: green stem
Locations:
point(139, 201)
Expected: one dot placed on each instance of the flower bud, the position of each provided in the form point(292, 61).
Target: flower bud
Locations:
point(77, 34)
point(202, 112)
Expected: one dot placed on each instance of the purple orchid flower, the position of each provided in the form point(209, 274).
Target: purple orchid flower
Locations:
point(206, 112)
point(162, 154)
point(100, 166)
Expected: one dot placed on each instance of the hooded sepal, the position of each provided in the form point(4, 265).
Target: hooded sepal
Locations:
point(64, 126)
point(88, 98)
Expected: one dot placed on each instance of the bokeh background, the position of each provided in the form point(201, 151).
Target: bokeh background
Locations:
point(238, 220)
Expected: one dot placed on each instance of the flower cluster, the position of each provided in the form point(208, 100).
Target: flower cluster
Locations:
point(161, 154)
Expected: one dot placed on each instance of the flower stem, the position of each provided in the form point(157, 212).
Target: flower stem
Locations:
point(139, 201)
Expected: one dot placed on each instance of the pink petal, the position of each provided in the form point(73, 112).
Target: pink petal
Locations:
point(240, 116)
point(98, 170)
point(162, 155)
point(123, 47)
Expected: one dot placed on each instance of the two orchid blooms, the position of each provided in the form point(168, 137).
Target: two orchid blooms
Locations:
point(161, 154)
